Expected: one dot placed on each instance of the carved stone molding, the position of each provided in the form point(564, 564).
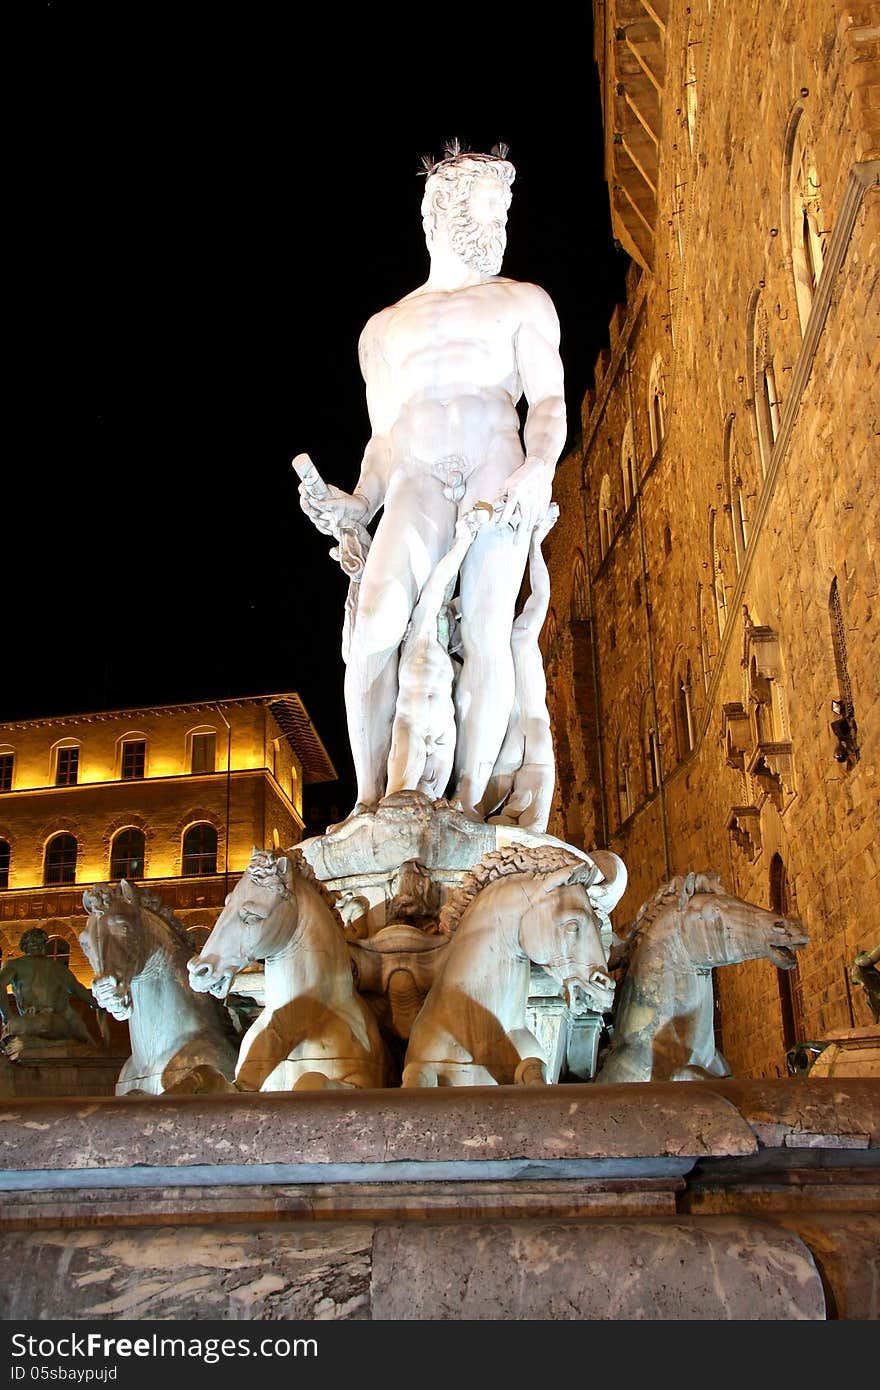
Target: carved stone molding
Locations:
point(744, 825)
point(736, 733)
point(772, 772)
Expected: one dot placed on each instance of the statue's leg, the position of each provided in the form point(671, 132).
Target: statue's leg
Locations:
point(415, 530)
point(491, 575)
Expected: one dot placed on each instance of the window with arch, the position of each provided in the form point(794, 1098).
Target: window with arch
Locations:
point(580, 605)
point(650, 748)
point(802, 213)
point(605, 516)
point(690, 85)
point(656, 405)
point(199, 850)
point(58, 948)
point(683, 709)
point(628, 465)
point(719, 588)
point(703, 629)
point(7, 764)
point(5, 855)
point(127, 853)
point(790, 994)
point(763, 378)
point(203, 750)
point(65, 759)
point(625, 800)
point(132, 757)
point(551, 635)
point(734, 503)
point(59, 862)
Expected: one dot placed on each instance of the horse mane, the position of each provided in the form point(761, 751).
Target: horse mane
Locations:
point(263, 869)
point(655, 907)
point(499, 863)
point(103, 895)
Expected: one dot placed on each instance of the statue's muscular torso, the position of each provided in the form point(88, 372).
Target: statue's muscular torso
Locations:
point(443, 376)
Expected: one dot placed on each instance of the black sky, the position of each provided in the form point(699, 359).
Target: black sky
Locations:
point(209, 202)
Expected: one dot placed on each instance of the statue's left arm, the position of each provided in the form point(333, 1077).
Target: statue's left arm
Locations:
point(529, 488)
point(80, 992)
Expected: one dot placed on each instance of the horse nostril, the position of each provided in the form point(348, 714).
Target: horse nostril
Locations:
point(199, 970)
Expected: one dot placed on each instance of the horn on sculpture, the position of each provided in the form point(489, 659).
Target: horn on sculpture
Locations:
point(608, 893)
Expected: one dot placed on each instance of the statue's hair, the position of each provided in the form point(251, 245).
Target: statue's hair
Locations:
point(658, 905)
point(536, 860)
point(457, 159)
point(454, 174)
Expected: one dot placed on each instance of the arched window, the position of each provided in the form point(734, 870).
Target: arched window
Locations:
point(127, 853)
point(65, 763)
point(790, 996)
point(59, 864)
point(703, 629)
point(628, 465)
point(656, 404)
point(551, 635)
point(683, 707)
point(717, 561)
point(734, 503)
point(4, 863)
point(802, 214)
point(605, 516)
point(690, 84)
point(763, 381)
point(199, 850)
point(624, 781)
point(7, 764)
point(202, 749)
point(57, 948)
point(580, 606)
point(650, 748)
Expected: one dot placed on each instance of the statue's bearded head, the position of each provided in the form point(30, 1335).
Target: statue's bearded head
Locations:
point(34, 942)
point(469, 194)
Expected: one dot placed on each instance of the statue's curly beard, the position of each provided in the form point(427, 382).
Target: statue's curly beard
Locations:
point(480, 245)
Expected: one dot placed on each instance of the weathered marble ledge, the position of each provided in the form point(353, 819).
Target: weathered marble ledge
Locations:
point(635, 1132)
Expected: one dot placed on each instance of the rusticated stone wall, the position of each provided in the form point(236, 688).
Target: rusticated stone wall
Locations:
point(732, 579)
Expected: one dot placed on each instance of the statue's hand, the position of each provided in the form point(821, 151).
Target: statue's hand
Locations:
point(333, 509)
point(527, 495)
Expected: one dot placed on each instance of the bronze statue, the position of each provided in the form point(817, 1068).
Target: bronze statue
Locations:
point(42, 989)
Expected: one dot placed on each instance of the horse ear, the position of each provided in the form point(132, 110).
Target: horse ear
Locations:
point(282, 863)
point(608, 893)
point(126, 890)
point(89, 901)
point(687, 890)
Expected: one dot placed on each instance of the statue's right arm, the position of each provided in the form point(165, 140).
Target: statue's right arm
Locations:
point(372, 484)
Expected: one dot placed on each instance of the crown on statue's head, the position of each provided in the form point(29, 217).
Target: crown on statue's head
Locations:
point(458, 158)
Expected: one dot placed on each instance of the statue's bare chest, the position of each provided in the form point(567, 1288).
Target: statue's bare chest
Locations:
point(474, 321)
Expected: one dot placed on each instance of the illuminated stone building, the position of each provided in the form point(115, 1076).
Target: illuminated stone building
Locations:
point(173, 795)
point(712, 649)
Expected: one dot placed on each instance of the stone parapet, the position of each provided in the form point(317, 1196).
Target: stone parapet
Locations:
point(735, 1199)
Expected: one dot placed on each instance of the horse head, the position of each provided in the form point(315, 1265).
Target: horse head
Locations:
point(722, 930)
point(115, 944)
point(256, 922)
point(561, 931)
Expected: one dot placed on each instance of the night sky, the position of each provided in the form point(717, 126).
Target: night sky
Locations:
point(206, 211)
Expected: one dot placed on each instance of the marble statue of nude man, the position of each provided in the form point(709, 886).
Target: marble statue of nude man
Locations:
point(444, 369)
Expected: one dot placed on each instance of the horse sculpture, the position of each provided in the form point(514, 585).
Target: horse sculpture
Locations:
point(315, 1030)
point(138, 950)
point(517, 906)
point(664, 1024)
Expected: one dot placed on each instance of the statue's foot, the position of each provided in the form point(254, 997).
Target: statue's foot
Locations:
point(360, 808)
point(418, 1074)
point(318, 1081)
